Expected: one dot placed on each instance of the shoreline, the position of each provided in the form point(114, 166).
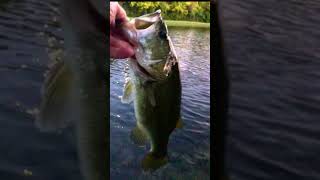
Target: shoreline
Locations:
point(192, 24)
point(187, 24)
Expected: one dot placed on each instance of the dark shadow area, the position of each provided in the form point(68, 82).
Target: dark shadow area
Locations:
point(220, 87)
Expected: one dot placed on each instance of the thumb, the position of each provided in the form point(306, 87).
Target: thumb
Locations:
point(116, 13)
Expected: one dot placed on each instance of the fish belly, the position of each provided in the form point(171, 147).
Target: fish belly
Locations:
point(157, 110)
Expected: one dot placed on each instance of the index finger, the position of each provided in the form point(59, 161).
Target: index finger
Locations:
point(116, 13)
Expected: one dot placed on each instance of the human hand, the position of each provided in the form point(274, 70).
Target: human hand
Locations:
point(119, 47)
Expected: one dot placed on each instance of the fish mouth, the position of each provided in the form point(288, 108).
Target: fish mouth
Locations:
point(144, 26)
point(145, 21)
point(138, 25)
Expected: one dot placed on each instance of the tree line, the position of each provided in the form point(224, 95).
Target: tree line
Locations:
point(190, 11)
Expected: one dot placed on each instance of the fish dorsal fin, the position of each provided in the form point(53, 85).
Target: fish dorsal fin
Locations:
point(56, 96)
point(128, 92)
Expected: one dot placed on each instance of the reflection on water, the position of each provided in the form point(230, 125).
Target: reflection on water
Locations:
point(189, 148)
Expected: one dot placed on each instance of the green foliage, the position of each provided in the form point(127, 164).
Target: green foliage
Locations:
point(191, 11)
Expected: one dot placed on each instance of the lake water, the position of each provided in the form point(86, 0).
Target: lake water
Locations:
point(25, 27)
point(189, 147)
point(273, 55)
point(30, 34)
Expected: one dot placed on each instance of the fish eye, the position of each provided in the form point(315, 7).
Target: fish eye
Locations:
point(162, 34)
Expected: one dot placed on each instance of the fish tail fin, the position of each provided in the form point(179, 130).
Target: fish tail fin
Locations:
point(151, 162)
point(179, 124)
point(138, 136)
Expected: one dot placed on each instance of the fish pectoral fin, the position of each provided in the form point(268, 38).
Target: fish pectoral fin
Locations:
point(138, 136)
point(128, 92)
point(56, 92)
point(179, 124)
point(152, 163)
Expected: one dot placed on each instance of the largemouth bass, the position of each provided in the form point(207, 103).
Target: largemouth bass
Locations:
point(153, 86)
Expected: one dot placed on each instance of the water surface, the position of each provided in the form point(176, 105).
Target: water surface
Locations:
point(273, 55)
point(25, 51)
